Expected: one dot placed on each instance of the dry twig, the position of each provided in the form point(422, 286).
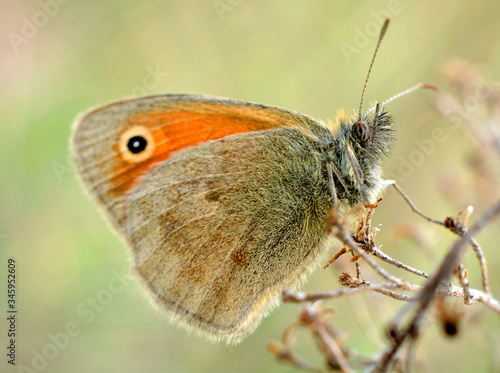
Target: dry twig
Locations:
point(418, 298)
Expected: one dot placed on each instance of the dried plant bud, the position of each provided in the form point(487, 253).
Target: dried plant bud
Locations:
point(450, 327)
point(336, 256)
point(449, 317)
point(347, 280)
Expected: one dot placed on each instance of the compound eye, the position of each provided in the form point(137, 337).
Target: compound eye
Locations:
point(362, 130)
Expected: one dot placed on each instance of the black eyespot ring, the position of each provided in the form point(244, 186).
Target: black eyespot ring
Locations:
point(362, 130)
point(137, 144)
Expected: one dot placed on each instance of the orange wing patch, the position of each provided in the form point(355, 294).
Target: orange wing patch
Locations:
point(169, 132)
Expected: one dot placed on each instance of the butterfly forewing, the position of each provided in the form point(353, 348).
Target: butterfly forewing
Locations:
point(226, 208)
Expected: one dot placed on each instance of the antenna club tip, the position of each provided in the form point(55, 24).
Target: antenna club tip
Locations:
point(432, 86)
point(384, 27)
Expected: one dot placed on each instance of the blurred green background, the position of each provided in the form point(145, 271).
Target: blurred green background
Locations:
point(59, 58)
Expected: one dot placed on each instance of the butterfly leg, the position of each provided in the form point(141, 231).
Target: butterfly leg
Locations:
point(357, 171)
point(333, 189)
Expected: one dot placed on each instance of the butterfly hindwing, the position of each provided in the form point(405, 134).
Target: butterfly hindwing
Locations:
point(212, 195)
point(211, 226)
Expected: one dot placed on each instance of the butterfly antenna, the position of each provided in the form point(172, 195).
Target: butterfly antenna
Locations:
point(381, 36)
point(404, 93)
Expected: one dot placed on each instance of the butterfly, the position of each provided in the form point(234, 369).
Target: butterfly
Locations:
point(223, 203)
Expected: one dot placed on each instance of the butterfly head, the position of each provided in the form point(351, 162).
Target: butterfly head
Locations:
point(357, 149)
point(371, 136)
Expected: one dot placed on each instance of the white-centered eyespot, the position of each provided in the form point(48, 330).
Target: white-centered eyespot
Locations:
point(136, 144)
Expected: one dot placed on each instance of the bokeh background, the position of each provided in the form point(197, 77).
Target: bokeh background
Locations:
point(59, 58)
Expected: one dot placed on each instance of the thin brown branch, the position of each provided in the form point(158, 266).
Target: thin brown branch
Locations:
point(395, 295)
point(486, 299)
point(412, 205)
point(386, 258)
point(283, 353)
point(482, 262)
point(339, 230)
point(299, 297)
point(459, 227)
point(445, 270)
point(342, 251)
point(336, 355)
point(410, 356)
point(464, 281)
